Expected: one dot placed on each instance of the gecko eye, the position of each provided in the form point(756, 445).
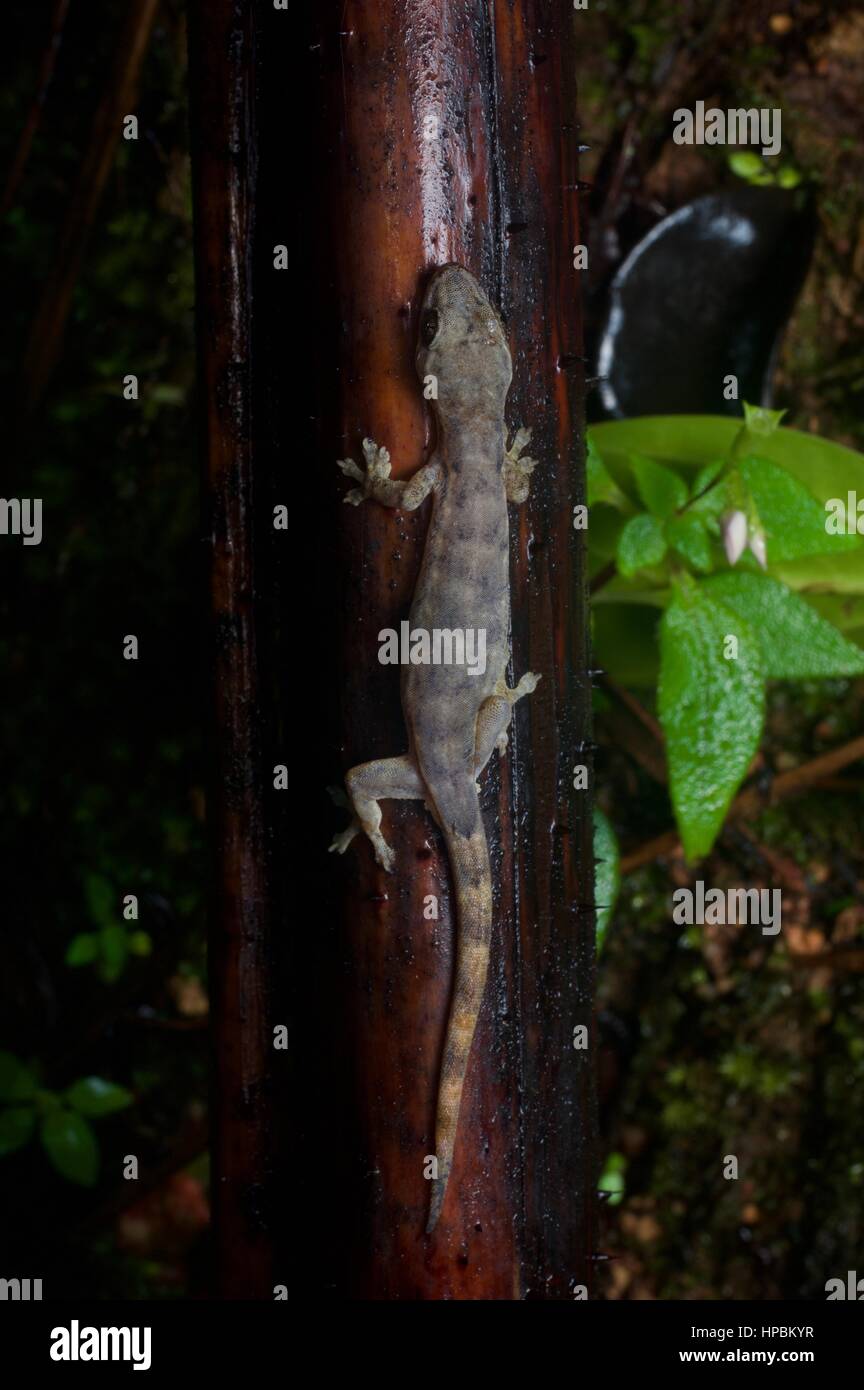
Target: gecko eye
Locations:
point(429, 327)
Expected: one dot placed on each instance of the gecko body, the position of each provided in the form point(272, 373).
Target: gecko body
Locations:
point(455, 719)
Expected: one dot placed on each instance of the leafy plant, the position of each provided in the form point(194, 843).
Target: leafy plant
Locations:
point(607, 874)
point(62, 1119)
point(753, 169)
point(715, 572)
point(110, 945)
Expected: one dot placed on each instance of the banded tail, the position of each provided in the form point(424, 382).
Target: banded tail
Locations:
point(472, 880)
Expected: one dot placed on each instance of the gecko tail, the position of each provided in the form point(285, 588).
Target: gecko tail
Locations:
point(436, 1200)
point(472, 879)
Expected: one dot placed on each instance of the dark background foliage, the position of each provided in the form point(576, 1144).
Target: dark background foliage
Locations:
point(718, 1041)
point(102, 787)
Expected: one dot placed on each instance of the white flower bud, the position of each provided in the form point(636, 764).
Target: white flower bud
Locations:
point(733, 528)
point(757, 545)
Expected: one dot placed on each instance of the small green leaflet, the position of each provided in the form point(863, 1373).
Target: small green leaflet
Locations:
point(83, 949)
point(662, 491)
point(688, 535)
point(101, 899)
point(761, 421)
point(795, 642)
point(601, 486)
point(707, 475)
point(641, 544)
point(91, 1095)
point(712, 711)
point(607, 875)
point(794, 521)
point(70, 1143)
point(613, 1178)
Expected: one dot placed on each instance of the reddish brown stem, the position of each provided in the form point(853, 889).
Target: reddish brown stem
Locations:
point(34, 115)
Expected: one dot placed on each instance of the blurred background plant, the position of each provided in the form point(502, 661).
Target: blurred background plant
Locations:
point(102, 999)
point(718, 1041)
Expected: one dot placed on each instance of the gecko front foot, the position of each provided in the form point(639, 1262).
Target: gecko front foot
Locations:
point(517, 467)
point(525, 686)
point(377, 472)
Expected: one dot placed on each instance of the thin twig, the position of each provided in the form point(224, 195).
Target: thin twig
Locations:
point(49, 323)
point(34, 115)
point(752, 801)
point(642, 714)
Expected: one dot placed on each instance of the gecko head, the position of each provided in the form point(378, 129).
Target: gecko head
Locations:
point(461, 344)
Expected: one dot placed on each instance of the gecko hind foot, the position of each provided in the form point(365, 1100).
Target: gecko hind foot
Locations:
point(384, 855)
point(518, 467)
point(340, 842)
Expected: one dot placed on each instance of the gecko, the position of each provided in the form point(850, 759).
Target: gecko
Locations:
point(455, 719)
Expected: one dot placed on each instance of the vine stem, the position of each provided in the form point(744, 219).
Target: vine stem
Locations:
point(751, 801)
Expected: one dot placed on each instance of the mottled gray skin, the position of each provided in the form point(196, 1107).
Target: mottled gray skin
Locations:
point(454, 719)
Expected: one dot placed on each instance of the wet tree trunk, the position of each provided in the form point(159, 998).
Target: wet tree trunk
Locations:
point(224, 144)
point(436, 132)
point(387, 139)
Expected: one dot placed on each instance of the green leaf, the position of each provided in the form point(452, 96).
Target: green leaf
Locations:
point(789, 177)
point(613, 1179)
point(712, 710)
point(140, 943)
point(601, 485)
point(101, 901)
point(691, 442)
point(17, 1082)
point(746, 164)
point(605, 530)
point(794, 522)
point(607, 874)
point(91, 1095)
point(113, 950)
point(706, 476)
point(70, 1144)
point(688, 536)
point(641, 544)
point(82, 949)
point(662, 491)
point(16, 1126)
point(760, 421)
point(796, 643)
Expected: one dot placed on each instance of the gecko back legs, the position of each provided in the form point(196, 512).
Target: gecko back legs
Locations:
point(398, 778)
point(369, 783)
